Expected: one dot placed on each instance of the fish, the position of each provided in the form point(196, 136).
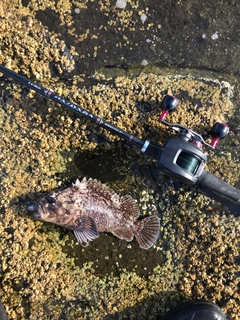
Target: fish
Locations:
point(88, 207)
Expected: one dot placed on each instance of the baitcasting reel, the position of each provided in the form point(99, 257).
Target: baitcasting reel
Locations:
point(182, 157)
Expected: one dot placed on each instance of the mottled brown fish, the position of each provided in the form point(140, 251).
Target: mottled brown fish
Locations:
point(89, 207)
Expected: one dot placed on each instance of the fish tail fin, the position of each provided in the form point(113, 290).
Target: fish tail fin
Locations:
point(147, 231)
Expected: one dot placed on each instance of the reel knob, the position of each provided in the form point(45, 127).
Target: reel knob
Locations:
point(219, 131)
point(169, 103)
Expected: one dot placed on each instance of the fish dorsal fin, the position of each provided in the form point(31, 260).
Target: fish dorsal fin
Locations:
point(100, 188)
point(86, 230)
point(129, 207)
point(123, 234)
point(77, 183)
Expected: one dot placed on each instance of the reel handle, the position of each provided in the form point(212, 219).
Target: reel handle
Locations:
point(219, 131)
point(169, 103)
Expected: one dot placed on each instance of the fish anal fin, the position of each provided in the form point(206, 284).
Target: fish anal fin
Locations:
point(147, 231)
point(129, 207)
point(86, 230)
point(123, 234)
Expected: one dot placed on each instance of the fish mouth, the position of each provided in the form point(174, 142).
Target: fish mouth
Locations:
point(36, 215)
point(32, 207)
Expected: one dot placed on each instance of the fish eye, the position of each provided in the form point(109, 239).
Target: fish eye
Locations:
point(51, 199)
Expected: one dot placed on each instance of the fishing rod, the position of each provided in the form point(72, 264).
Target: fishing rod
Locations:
point(179, 157)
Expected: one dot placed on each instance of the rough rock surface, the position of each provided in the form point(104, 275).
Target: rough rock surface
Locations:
point(108, 60)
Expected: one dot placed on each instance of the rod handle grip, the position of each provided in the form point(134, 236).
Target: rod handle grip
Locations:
point(219, 186)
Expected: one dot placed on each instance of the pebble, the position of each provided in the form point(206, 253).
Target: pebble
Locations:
point(214, 36)
point(121, 4)
point(77, 10)
point(144, 62)
point(143, 17)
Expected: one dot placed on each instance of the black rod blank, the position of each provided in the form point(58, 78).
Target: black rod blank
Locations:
point(72, 106)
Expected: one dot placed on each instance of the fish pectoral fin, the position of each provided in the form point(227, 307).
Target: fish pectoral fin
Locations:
point(86, 230)
point(129, 207)
point(123, 234)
